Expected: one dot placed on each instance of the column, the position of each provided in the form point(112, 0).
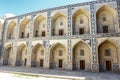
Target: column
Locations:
point(118, 5)
point(118, 8)
point(29, 42)
point(3, 41)
point(13, 61)
point(95, 64)
point(69, 50)
point(29, 52)
point(48, 34)
point(17, 29)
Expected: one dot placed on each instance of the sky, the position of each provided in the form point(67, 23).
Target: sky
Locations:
point(18, 7)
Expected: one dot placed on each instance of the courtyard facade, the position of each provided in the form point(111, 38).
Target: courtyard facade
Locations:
point(83, 36)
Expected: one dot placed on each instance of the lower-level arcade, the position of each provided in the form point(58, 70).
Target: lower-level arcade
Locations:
point(58, 56)
point(108, 56)
point(7, 56)
point(21, 57)
point(37, 56)
point(81, 55)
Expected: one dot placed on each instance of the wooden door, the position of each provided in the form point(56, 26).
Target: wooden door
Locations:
point(25, 62)
point(53, 32)
point(105, 29)
point(22, 35)
point(43, 33)
point(36, 34)
point(60, 63)
point(60, 32)
point(28, 35)
point(81, 31)
point(108, 66)
point(41, 63)
point(82, 64)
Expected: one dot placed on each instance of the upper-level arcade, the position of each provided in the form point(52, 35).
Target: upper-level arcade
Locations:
point(39, 26)
point(11, 30)
point(24, 30)
point(80, 22)
point(107, 20)
point(59, 24)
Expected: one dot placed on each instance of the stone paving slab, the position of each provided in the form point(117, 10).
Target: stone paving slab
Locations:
point(76, 73)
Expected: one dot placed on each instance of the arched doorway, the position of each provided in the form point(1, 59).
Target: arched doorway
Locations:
point(108, 55)
point(57, 56)
point(81, 56)
point(24, 29)
point(7, 56)
point(21, 58)
point(58, 24)
point(11, 30)
point(39, 27)
point(107, 21)
point(37, 58)
point(80, 22)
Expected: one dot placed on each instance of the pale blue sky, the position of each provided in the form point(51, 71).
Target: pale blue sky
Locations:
point(18, 7)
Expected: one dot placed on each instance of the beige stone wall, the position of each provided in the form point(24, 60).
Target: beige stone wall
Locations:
point(70, 43)
point(0, 30)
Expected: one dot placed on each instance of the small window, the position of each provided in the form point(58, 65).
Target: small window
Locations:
point(81, 21)
point(107, 52)
point(104, 19)
point(60, 52)
point(61, 23)
point(42, 53)
point(82, 52)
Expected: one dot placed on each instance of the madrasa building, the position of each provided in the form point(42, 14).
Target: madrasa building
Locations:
point(82, 36)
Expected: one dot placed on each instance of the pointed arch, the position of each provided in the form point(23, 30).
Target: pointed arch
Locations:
point(57, 56)
point(21, 55)
point(80, 22)
point(24, 29)
point(108, 55)
point(39, 26)
point(37, 56)
point(59, 24)
point(11, 30)
point(7, 56)
point(107, 20)
point(81, 56)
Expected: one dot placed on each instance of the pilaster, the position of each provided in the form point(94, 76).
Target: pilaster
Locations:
point(3, 41)
point(69, 50)
point(47, 45)
point(14, 51)
point(17, 30)
point(29, 52)
point(95, 64)
point(31, 27)
point(118, 9)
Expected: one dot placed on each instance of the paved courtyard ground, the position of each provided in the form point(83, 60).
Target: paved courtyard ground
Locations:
point(77, 73)
point(6, 76)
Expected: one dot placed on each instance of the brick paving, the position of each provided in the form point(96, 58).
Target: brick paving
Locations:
point(75, 73)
